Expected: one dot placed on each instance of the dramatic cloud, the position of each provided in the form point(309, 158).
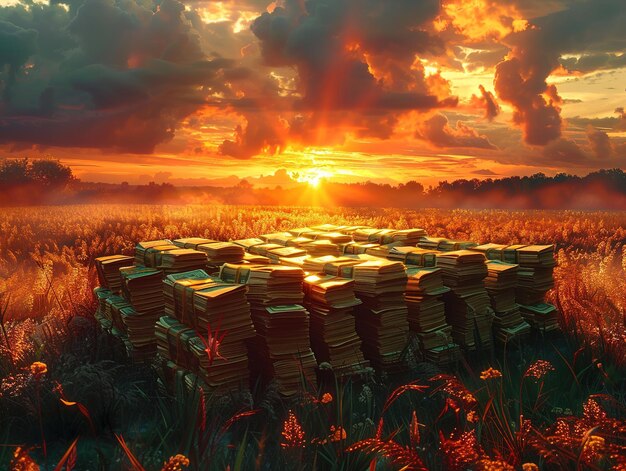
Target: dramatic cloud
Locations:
point(521, 79)
point(438, 132)
point(486, 101)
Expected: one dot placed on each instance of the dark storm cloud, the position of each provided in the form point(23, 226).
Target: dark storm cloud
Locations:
point(109, 75)
point(486, 101)
point(592, 62)
point(521, 79)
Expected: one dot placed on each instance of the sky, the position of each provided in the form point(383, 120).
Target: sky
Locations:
point(212, 92)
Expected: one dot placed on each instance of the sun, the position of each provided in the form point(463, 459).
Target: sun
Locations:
point(313, 176)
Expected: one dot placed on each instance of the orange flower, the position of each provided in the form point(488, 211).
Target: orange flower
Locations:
point(176, 463)
point(337, 434)
point(38, 369)
point(22, 461)
point(495, 465)
point(539, 369)
point(472, 417)
point(530, 467)
point(292, 432)
point(326, 398)
point(490, 374)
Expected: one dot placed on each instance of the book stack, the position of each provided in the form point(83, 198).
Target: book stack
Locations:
point(467, 304)
point(216, 363)
point(112, 317)
point(255, 259)
point(410, 255)
point(302, 232)
point(299, 241)
point(280, 238)
point(182, 260)
point(282, 324)
point(264, 249)
point(277, 255)
point(101, 295)
point(334, 237)
point(192, 242)
point(389, 236)
point(142, 288)
point(330, 301)
point(284, 348)
point(445, 245)
point(355, 248)
point(542, 316)
point(536, 273)
point(218, 253)
point(381, 319)
point(108, 269)
point(248, 243)
point(318, 248)
point(427, 316)
point(148, 254)
point(500, 284)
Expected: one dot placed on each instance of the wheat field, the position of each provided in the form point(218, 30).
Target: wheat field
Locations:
point(47, 276)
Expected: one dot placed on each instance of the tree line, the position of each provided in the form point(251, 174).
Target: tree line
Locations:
point(47, 181)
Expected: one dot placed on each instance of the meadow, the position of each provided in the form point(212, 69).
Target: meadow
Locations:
point(551, 403)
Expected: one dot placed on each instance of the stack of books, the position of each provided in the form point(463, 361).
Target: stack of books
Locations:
point(280, 238)
point(317, 248)
point(467, 304)
point(182, 260)
point(330, 301)
point(248, 243)
point(355, 248)
point(536, 273)
point(445, 245)
point(192, 242)
point(427, 316)
point(264, 249)
point(413, 256)
point(381, 319)
point(283, 346)
point(108, 269)
point(299, 241)
point(101, 295)
point(334, 237)
point(541, 316)
point(276, 255)
point(142, 288)
point(500, 284)
point(268, 285)
point(219, 253)
point(216, 362)
point(112, 317)
point(148, 253)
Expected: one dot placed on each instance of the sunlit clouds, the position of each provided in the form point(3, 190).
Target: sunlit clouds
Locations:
point(276, 92)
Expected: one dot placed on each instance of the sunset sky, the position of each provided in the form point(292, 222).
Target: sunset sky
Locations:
point(209, 92)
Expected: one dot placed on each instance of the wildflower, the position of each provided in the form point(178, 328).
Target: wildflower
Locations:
point(292, 432)
point(326, 398)
point(38, 369)
point(530, 467)
point(22, 461)
point(490, 373)
point(593, 447)
point(175, 463)
point(472, 417)
point(337, 434)
point(461, 452)
point(495, 465)
point(539, 369)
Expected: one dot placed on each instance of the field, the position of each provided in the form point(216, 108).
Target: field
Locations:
point(553, 403)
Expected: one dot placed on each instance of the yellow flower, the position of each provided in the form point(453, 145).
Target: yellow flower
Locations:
point(490, 374)
point(38, 369)
point(472, 416)
point(326, 398)
point(176, 463)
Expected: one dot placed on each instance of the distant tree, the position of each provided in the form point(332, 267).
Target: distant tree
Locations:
point(46, 173)
point(14, 172)
point(50, 174)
